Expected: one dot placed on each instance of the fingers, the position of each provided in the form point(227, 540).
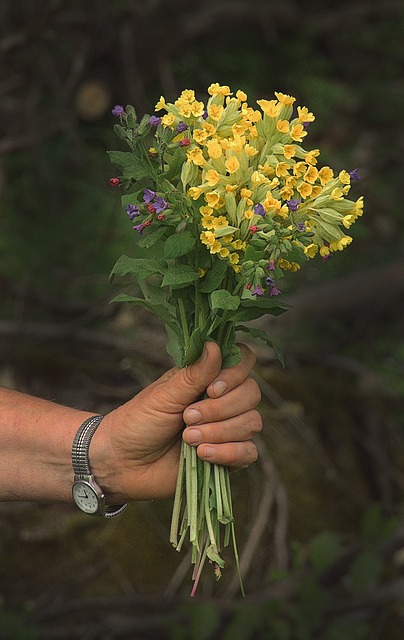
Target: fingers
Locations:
point(238, 429)
point(231, 454)
point(230, 378)
point(227, 442)
point(238, 401)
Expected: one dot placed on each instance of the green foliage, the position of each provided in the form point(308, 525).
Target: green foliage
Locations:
point(17, 626)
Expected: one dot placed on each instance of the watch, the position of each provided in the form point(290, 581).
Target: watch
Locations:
point(87, 494)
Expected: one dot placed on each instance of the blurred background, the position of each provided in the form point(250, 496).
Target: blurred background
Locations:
point(319, 516)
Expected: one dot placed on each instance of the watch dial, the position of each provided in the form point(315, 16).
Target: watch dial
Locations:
point(85, 497)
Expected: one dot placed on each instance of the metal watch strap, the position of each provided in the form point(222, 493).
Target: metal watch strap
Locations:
point(80, 457)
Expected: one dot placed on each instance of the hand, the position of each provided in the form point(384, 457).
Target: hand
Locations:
point(135, 451)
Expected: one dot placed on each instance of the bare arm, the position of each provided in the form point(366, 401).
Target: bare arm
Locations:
point(134, 452)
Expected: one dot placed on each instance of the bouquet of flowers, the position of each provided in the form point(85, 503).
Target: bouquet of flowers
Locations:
point(224, 199)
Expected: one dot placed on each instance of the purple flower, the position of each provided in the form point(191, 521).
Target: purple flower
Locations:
point(259, 210)
point(301, 226)
point(305, 124)
point(133, 211)
point(257, 291)
point(139, 228)
point(293, 204)
point(354, 175)
point(160, 204)
point(205, 114)
point(148, 195)
point(154, 121)
point(118, 110)
point(181, 127)
point(269, 280)
point(271, 265)
point(274, 291)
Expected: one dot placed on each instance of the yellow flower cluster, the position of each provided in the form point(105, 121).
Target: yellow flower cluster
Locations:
point(246, 170)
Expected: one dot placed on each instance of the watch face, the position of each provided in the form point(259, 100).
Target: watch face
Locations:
point(85, 497)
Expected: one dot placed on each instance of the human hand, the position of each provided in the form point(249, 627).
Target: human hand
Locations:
point(135, 451)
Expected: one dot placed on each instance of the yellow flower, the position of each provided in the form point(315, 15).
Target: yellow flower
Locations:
point(200, 135)
point(216, 89)
point(283, 126)
point(208, 222)
point(184, 108)
point(339, 245)
point(271, 108)
point(212, 198)
point(205, 210)
point(285, 99)
point(325, 175)
point(305, 115)
point(299, 169)
point(234, 258)
point(248, 214)
point(214, 149)
point(282, 169)
point(241, 96)
point(209, 128)
point(305, 189)
point(324, 251)
point(197, 109)
point(311, 174)
point(245, 193)
point(161, 104)
point(337, 194)
point(220, 222)
point(231, 188)
point(232, 165)
point(288, 266)
point(212, 177)
point(207, 237)
point(297, 133)
point(152, 150)
point(348, 220)
point(311, 250)
point(196, 157)
point(250, 151)
point(311, 156)
point(258, 178)
point(188, 95)
point(194, 192)
point(215, 111)
point(224, 252)
point(344, 177)
point(215, 247)
point(289, 151)
point(168, 120)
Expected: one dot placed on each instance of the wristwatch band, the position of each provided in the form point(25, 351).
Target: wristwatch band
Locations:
point(81, 465)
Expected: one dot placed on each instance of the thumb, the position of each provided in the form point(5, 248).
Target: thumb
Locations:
point(187, 385)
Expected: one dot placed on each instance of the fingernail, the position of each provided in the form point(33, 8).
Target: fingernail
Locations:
point(192, 416)
point(204, 353)
point(193, 436)
point(208, 452)
point(219, 387)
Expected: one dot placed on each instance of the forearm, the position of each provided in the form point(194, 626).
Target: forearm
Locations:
point(35, 444)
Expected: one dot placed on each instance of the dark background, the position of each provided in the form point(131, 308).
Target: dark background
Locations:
point(319, 516)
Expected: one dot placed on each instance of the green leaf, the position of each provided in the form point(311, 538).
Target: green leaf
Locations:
point(165, 312)
point(138, 267)
point(205, 621)
point(214, 277)
point(251, 310)
point(179, 275)
point(151, 237)
point(194, 348)
point(259, 334)
point(175, 164)
point(224, 231)
point(179, 244)
point(132, 166)
point(223, 299)
point(231, 355)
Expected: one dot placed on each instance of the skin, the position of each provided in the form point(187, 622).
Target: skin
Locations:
point(134, 452)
